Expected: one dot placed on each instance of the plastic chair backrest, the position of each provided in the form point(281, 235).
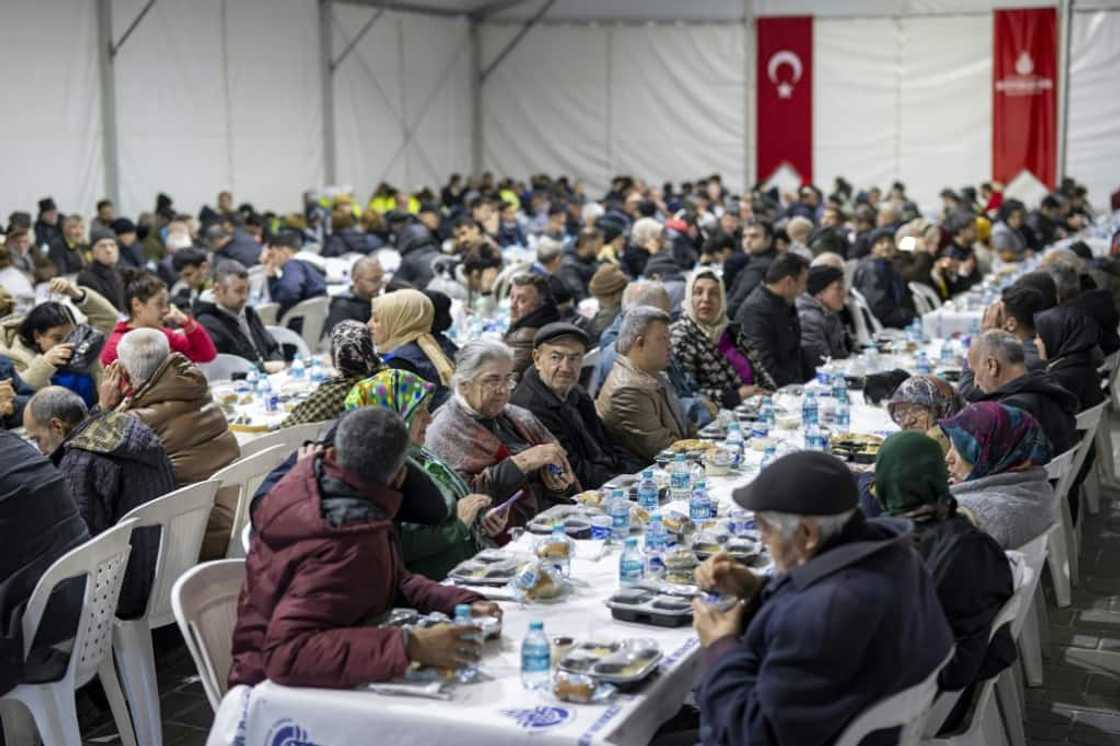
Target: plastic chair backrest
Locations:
point(1087, 423)
point(224, 366)
point(861, 302)
point(268, 313)
point(925, 299)
point(182, 515)
point(286, 336)
point(102, 561)
point(289, 437)
point(258, 286)
point(906, 710)
point(204, 600)
point(246, 474)
point(863, 334)
point(1060, 468)
point(1033, 555)
point(313, 311)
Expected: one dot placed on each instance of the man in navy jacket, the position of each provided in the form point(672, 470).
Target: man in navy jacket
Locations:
point(290, 280)
point(849, 617)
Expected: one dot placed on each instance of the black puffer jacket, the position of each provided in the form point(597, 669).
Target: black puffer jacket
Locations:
point(231, 340)
point(39, 523)
point(1053, 406)
point(350, 241)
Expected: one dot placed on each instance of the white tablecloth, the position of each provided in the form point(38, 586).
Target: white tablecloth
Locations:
point(945, 323)
point(500, 711)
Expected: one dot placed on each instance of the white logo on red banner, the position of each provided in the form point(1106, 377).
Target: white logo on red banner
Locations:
point(1024, 82)
point(777, 60)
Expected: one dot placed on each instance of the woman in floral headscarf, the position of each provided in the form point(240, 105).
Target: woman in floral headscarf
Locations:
point(996, 468)
point(969, 569)
point(354, 359)
point(429, 550)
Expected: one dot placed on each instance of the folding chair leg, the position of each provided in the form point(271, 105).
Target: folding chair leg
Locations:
point(55, 713)
point(1073, 545)
point(1010, 707)
point(107, 672)
point(1057, 559)
point(1030, 641)
point(1106, 459)
point(992, 726)
point(132, 644)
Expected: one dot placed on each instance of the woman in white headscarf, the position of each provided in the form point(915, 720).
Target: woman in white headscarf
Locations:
point(712, 348)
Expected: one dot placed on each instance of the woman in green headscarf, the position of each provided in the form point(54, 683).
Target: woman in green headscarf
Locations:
point(969, 569)
point(431, 551)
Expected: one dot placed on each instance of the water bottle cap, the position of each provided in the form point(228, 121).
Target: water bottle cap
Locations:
point(631, 542)
point(536, 625)
point(680, 457)
point(462, 610)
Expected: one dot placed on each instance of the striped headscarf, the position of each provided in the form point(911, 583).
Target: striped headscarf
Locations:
point(995, 439)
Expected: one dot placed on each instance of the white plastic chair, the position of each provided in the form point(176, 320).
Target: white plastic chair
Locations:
point(182, 516)
point(246, 474)
point(268, 313)
point(985, 727)
point(204, 600)
point(258, 286)
point(224, 366)
point(1088, 423)
point(926, 299)
point(101, 561)
point(289, 437)
point(286, 336)
point(906, 710)
point(863, 333)
point(861, 301)
point(313, 311)
point(1060, 557)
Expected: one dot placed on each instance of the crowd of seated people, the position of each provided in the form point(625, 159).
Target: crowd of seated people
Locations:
point(691, 299)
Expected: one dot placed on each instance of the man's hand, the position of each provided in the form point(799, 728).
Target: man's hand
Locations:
point(7, 398)
point(468, 508)
point(111, 390)
point(59, 355)
point(560, 483)
point(711, 624)
point(721, 573)
point(993, 317)
point(486, 608)
point(494, 522)
point(445, 645)
point(62, 286)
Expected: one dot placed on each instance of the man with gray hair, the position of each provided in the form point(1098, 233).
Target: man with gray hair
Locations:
point(112, 463)
point(842, 583)
point(367, 278)
point(637, 404)
point(170, 395)
point(999, 369)
point(232, 323)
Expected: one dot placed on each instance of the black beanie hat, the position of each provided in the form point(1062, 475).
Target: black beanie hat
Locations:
point(821, 277)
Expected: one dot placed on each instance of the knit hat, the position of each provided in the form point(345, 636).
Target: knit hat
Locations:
point(608, 280)
point(47, 204)
point(801, 483)
point(821, 277)
point(101, 234)
point(123, 225)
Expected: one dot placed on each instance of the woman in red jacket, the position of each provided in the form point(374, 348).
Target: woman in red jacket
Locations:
point(148, 307)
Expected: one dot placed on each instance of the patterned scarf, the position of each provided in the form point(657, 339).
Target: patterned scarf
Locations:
point(713, 329)
point(995, 438)
point(352, 349)
point(930, 392)
point(404, 392)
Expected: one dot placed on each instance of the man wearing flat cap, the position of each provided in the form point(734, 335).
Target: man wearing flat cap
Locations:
point(818, 309)
point(550, 390)
point(849, 617)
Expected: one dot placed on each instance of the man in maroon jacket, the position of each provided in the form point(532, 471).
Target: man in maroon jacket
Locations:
point(324, 564)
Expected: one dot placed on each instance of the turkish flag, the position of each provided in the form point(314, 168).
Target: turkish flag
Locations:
point(784, 83)
point(1024, 95)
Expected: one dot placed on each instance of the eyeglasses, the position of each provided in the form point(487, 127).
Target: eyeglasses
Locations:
point(495, 385)
point(910, 417)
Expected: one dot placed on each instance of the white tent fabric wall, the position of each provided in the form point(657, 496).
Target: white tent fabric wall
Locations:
point(214, 94)
point(906, 99)
point(402, 99)
point(1093, 149)
point(50, 138)
point(657, 101)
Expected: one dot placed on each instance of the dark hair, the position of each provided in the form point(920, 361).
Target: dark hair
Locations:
point(481, 256)
point(959, 221)
point(372, 442)
point(41, 318)
point(104, 203)
point(531, 278)
point(286, 240)
point(1042, 282)
point(1010, 206)
point(460, 221)
point(1022, 302)
point(557, 208)
point(141, 285)
point(719, 241)
point(765, 226)
point(188, 257)
point(1050, 202)
point(589, 235)
point(786, 265)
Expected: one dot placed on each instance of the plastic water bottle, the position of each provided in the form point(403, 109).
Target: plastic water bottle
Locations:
point(297, 370)
point(679, 477)
point(922, 366)
point(656, 541)
point(698, 507)
point(252, 377)
point(768, 456)
point(317, 374)
point(840, 388)
point(766, 411)
point(468, 672)
point(696, 477)
point(647, 491)
point(264, 388)
point(536, 658)
point(813, 438)
point(810, 411)
point(619, 511)
point(843, 418)
point(630, 564)
point(734, 443)
point(947, 357)
point(562, 564)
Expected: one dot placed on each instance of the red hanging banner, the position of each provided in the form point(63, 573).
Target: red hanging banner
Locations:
point(1024, 95)
point(784, 72)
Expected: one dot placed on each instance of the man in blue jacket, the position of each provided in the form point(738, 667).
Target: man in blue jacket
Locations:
point(849, 617)
point(290, 280)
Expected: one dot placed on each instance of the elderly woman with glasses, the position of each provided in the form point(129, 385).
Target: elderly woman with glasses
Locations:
point(920, 402)
point(498, 447)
